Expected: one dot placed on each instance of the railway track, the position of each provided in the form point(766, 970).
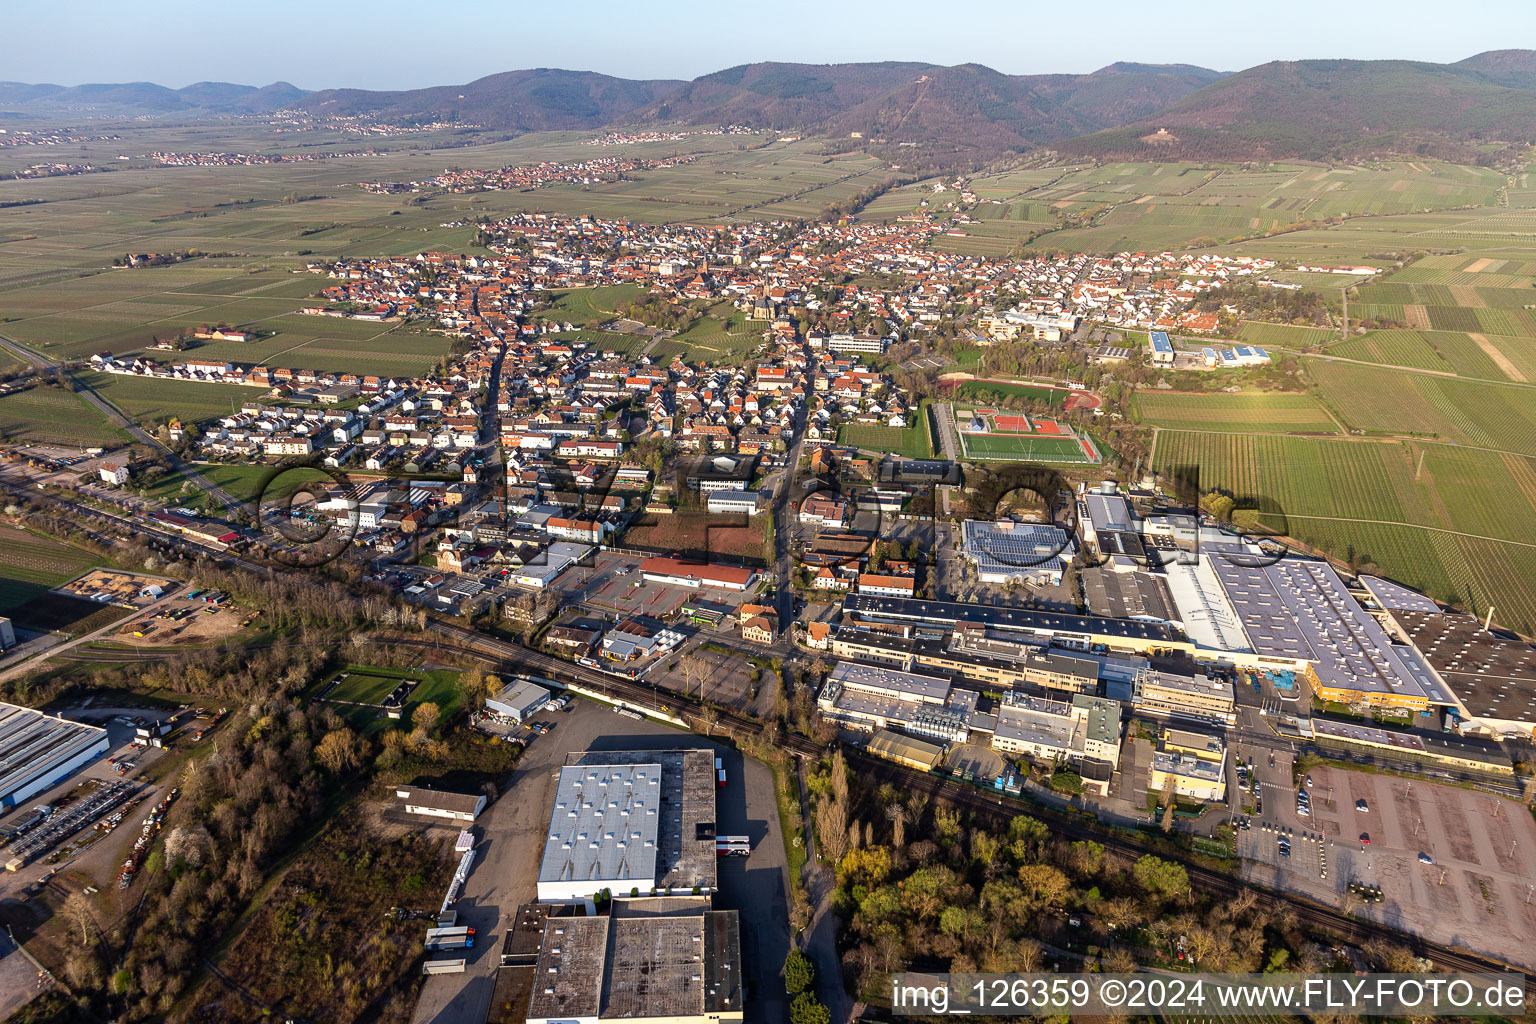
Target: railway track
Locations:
point(999, 809)
point(1317, 916)
point(996, 808)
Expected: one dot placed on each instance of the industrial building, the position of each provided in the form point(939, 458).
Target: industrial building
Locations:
point(630, 822)
point(518, 700)
point(1103, 512)
point(39, 751)
point(7, 633)
point(1190, 764)
point(731, 502)
point(1127, 595)
point(867, 698)
point(1297, 613)
point(1195, 697)
point(1007, 552)
point(675, 961)
point(436, 803)
point(913, 753)
point(1084, 631)
point(679, 573)
point(1083, 733)
point(540, 571)
point(1492, 677)
point(1467, 753)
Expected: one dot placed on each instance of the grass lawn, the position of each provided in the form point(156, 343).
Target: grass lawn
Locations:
point(588, 307)
point(242, 481)
point(983, 391)
point(912, 442)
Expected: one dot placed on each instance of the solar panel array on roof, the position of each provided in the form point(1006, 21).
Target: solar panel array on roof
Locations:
point(1004, 549)
point(1493, 677)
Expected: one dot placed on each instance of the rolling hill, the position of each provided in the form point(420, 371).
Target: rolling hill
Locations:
point(967, 107)
point(137, 98)
point(926, 114)
point(1339, 108)
point(542, 99)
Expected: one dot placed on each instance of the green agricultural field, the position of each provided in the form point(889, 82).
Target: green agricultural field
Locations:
point(45, 415)
point(1284, 335)
point(152, 400)
point(1387, 401)
point(1436, 517)
point(31, 565)
point(1393, 348)
point(1242, 413)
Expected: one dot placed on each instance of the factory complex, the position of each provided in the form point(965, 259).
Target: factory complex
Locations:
point(624, 927)
point(38, 751)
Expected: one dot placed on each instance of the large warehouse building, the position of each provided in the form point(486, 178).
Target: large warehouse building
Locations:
point(657, 960)
point(630, 822)
point(679, 572)
point(38, 751)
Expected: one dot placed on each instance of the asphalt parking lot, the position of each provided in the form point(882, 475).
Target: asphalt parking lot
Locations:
point(612, 586)
point(1479, 892)
point(511, 840)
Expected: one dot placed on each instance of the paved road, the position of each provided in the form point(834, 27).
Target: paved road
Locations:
point(116, 417)
point(85, 638)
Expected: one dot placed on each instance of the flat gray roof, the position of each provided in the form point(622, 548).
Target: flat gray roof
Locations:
point(1126, 595)
point(1395, 595)
point(1494, 678)
point(34, 745)
point(1300, 608)
point(604, 825)
point(946, 613)
point(688, 788)
point(890, 682)
point(568, 977)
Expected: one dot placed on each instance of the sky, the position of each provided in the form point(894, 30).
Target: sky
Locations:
point(402, 44)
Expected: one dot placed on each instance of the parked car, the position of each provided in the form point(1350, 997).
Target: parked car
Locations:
point(1425, 858)
point(1365, 839)
point(1361, 805)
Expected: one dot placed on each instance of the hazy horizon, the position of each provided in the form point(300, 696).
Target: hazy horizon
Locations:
point(359, 45)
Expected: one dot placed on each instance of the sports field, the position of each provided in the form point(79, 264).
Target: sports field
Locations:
point(996, 435)
point(988, 390)
point(363, 688)
point(911, 442)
